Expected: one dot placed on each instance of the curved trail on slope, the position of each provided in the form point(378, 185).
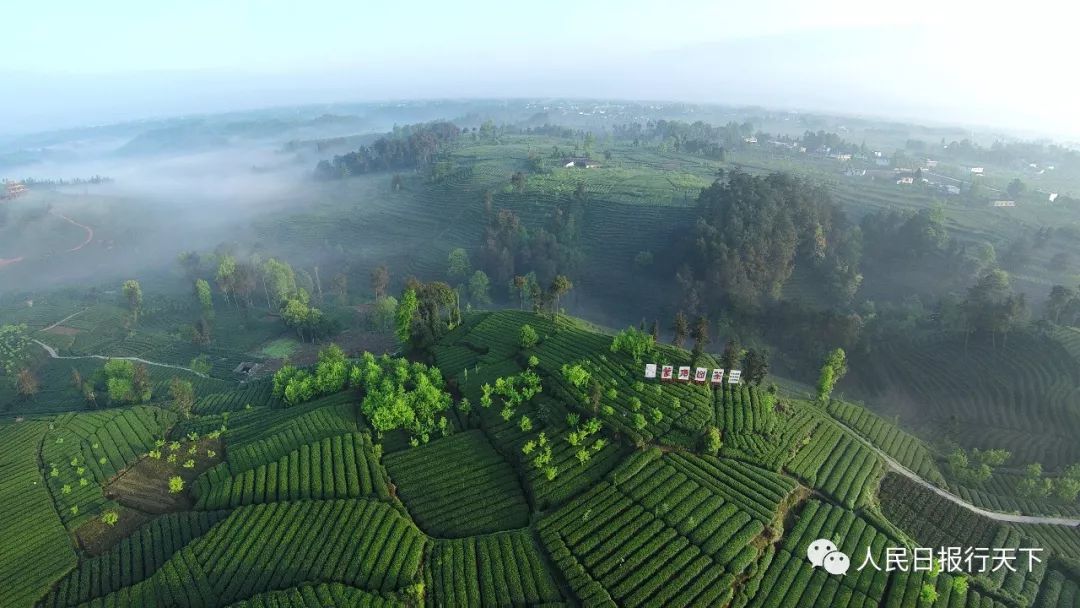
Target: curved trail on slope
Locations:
point(52, 354)
point(89, 238)
point(88, 229)
point(994, 515)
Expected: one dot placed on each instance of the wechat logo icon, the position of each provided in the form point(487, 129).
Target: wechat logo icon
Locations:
point(823, 553)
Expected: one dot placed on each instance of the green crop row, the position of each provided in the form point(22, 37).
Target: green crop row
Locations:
point(458, 485)
point(837, 464)
point(37, 548)
point(503, 569)
point(359, 543)
point(907, 449)
point(319, 596)
point(336, 467)
point(614, 551)
point(133, 559)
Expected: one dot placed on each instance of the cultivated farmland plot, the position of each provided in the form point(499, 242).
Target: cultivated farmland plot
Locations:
point(458, 486)
point(306, 505)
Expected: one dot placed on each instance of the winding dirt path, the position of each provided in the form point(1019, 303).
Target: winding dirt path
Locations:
point(87, 241)
point(88, 229)
point(53, 354)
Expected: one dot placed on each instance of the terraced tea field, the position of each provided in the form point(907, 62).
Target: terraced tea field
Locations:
point(308, 505)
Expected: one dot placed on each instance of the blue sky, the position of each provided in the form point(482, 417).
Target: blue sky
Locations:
point(80, 62)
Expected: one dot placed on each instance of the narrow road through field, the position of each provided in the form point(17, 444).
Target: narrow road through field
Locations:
point(64, 320)
point(994, 515)
point(52, 353)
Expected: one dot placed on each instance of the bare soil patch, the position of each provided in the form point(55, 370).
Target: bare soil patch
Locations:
point(144, 486)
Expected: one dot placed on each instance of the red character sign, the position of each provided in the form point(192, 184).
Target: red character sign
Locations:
point(718, 376)
point(684, 373)
point(666, 372)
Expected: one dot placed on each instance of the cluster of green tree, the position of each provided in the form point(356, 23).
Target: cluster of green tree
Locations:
point(1020, 250)
point(286, 291)
point(1065, 487)
point(992, 307)
point(804, 332)
point(1063, 305)
point(752, 232)
point(408, 147)
point(634, 342)
point(511, 392)
point(46, 183)
point(182, 395)
point(425, 312)
point(402, 395)
point(832, 371)
point(903, 237)
point(1012, 153)
point(510, 248)
point(380, 316)
point(123, 381)
point(695, 138)
point(754, 362)
point(540, 454)
point(528, 337)
point(579, 436)
point(989, 308)
point(822, 141)
point(397, 394)
point(910, 240)
point(977, 467)
point(15, 358)
point(550, 130)
point(331, 374)
point(133, 294)
point(475, 285)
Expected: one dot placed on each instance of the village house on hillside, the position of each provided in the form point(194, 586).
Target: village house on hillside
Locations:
point(12, 190)
point(581, 163)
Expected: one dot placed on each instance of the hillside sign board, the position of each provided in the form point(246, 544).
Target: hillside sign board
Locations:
point(685, 373)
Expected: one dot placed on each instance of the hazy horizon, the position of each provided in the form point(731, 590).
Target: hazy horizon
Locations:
point(927, 63)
